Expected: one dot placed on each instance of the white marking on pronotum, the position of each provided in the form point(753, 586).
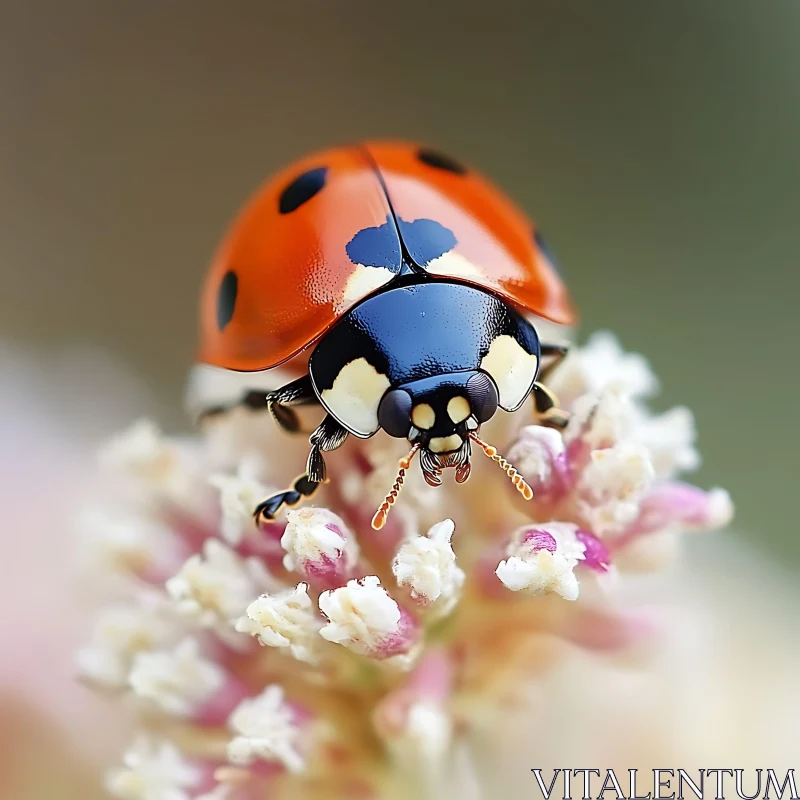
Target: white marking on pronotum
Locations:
point(363, 281)
point(355, 395)
point(454, 265)
point(513, 370)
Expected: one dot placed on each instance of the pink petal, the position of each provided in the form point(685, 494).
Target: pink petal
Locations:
point(538, 539)
point(676, 504)
point(596, 555)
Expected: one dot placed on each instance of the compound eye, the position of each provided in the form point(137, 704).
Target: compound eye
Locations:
point(483, 397)
point(394, 413)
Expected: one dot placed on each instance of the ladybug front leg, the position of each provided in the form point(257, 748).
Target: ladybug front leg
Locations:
point(301, 488)
point(328, 436)
point(278, 403)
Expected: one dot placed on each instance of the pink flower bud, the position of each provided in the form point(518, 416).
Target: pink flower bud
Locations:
point(536, 540)
point(319, 546)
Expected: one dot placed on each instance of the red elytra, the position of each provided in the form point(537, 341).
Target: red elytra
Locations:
point(293, 274)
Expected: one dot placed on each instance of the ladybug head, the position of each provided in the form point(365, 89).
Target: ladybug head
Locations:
point(438, 413)
point(440, 416)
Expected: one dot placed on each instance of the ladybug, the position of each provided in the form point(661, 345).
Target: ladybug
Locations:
point(406, 280)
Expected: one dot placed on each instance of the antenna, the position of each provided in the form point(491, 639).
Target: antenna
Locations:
point(379, 520)
point(517, 479)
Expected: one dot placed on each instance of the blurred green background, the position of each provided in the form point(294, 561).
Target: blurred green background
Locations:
point(657, 144)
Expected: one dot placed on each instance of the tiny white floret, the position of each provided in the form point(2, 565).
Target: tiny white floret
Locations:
point(121, 632)
point(177, 681)
point(669, 439)
point(141, 447)
point(153, 461)
point(153, 770)
point(427, 566)
point(423, 740)
point(285, 620)
point(217, 585)
point(361, 615)
point(120, 542)
point(600, 421)
point(720, 509)
point(536, 454)
point(239, 494)
point(542, 558)
point(266, 729)
point(613, 484)
point(540, 573)
point(601, 364)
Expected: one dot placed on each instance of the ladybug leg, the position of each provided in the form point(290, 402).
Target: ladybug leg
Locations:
point(297, 393)
point(255, 399)
point(547, 410)
point(278, 403)
point(557, 353)
point(328, 436)
point(301, 488)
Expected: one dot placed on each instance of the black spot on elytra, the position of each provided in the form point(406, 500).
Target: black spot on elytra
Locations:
point(440, 161)
point(302, 189)
point(226, 299)
point(546, 251)
point(376, 247)
point(426, 239)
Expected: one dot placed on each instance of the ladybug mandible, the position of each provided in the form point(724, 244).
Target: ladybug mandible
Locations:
point(406, 277)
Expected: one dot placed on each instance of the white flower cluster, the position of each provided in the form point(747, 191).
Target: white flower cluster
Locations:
point(300, 651)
